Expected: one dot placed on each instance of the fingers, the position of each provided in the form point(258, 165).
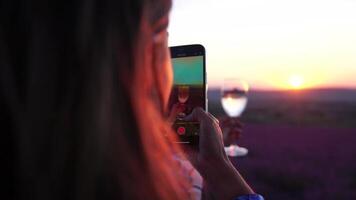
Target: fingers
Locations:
point(198, 114)
point(209, 125)
point(204, 117)
point(214, 118)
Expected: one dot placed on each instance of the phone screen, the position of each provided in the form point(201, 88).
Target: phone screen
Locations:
point(187, 93)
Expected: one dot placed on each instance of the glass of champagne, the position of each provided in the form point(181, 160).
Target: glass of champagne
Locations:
point(183, 96)
point(234, 100)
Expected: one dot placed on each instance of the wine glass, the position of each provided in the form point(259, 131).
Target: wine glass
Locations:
point(183, 96)
point(234, 100)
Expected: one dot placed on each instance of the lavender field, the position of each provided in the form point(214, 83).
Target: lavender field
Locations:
point(287, 162)
point(302, 146)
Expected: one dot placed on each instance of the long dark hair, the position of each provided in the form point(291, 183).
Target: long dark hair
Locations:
point(76, 120)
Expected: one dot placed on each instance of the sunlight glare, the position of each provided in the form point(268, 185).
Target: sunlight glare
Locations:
point(296, 81)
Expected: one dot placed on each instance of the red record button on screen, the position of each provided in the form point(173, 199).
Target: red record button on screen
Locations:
point(181, 130)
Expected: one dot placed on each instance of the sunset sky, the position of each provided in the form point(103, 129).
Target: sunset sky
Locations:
point(272, 44)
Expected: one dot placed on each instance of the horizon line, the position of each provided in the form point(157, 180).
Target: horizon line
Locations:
point(290, 89)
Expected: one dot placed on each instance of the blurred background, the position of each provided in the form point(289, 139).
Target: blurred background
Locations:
point(299, 58)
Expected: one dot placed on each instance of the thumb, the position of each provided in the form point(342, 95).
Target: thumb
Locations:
point(198, 114)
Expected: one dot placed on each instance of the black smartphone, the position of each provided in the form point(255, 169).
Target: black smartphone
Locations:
point(189, 89)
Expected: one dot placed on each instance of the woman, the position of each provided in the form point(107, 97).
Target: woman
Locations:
point(84, 87)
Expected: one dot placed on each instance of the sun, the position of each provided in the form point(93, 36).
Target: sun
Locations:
point(296, 81)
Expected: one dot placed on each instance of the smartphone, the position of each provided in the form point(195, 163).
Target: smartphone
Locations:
point(189, 89)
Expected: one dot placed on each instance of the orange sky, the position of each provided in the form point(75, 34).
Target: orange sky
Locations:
point(267, 43)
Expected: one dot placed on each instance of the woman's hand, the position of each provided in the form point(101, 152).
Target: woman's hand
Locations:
point(222, 180)
point(211, 146)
